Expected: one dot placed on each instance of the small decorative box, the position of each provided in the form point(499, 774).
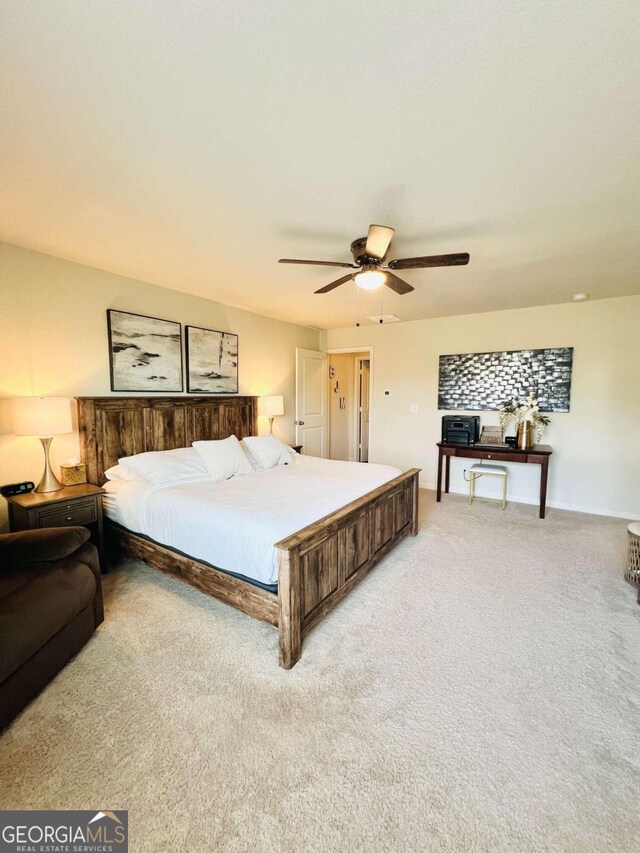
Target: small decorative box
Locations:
point(491, 435)
point(73, 475)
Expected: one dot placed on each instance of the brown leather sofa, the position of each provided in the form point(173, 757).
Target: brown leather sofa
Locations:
point(50, 605)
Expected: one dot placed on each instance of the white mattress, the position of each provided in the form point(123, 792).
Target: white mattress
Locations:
point(109, 499)
point(234, 524)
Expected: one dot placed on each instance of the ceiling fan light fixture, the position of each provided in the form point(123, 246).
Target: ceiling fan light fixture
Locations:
point(368, 255)
point(370, 279)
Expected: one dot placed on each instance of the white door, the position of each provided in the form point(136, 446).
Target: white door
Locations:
point(311, 401)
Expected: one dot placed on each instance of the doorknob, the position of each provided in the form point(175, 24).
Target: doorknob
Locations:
point(298, 423)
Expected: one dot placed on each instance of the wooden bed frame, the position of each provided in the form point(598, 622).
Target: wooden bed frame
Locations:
point(317, 566)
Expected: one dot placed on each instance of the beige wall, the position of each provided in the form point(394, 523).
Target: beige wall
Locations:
point(596, 461)
point(53, 341)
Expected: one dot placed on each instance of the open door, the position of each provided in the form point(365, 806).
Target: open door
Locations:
point(364, 381)
point(311, 402)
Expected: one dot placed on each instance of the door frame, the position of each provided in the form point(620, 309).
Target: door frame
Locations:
point(354, 350)
point(356, 414)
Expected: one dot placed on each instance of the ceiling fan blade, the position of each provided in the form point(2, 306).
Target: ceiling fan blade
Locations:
point(334, 284)
point(397, 284)
point(457, 260)
point(317, 263)
point(378, 241)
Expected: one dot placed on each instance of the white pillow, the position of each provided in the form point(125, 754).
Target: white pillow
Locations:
point(267, 451)
point(223, 459)
point(117, 472)
point(251, 456)
point(164, 466)
point(255, 461)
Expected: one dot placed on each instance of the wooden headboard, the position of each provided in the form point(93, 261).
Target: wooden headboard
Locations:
point(112, 427)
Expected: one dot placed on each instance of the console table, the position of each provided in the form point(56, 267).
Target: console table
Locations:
point(538, 455)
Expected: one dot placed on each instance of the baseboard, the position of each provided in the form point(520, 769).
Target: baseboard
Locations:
point(589, 510)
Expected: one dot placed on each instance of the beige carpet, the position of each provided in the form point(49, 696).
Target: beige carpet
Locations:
point(478, 692)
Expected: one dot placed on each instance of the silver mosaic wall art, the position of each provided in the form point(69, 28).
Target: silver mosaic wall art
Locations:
point(485, 380)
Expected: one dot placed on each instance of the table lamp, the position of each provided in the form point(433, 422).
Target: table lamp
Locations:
point(271, 406)
point(43, 417)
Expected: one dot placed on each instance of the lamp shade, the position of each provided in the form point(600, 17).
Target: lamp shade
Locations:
point(271, 406)
point(42, 416)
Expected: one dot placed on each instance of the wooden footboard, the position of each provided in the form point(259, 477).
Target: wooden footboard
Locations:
point(320, 564)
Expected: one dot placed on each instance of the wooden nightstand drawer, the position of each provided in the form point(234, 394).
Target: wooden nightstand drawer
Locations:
point(78, 512)
point(70, 506)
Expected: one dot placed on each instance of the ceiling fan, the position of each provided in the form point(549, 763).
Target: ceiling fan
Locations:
point(369, 253)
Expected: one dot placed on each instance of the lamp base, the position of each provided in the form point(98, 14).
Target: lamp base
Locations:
point(270, 426)
point(48, 482)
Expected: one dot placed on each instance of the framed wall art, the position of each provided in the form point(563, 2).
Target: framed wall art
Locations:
point(145, 353)
point(486, 380)
point(212, 361)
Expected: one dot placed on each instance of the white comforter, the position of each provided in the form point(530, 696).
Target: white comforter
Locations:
point(234, 524)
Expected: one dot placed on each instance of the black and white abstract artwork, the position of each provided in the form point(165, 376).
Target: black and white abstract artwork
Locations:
point(212, 361)
point(486, 380)
point(145, 353)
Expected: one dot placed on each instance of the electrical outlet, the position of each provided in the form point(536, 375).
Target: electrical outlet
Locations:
point(414, 408)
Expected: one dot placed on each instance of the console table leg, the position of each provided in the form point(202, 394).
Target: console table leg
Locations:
point(544, 470)
point(446, 474)
point(439, 484)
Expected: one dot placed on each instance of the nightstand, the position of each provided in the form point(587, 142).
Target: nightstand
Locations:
point(70, 506)
point(297, 448)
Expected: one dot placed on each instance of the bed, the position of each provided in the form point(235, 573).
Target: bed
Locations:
point(309, 531)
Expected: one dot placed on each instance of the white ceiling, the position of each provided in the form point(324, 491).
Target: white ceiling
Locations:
point(192, 144)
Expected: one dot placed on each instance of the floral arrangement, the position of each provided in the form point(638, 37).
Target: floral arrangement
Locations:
point(523, 412)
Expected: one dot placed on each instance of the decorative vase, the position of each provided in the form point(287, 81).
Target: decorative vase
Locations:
point(525, 435)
